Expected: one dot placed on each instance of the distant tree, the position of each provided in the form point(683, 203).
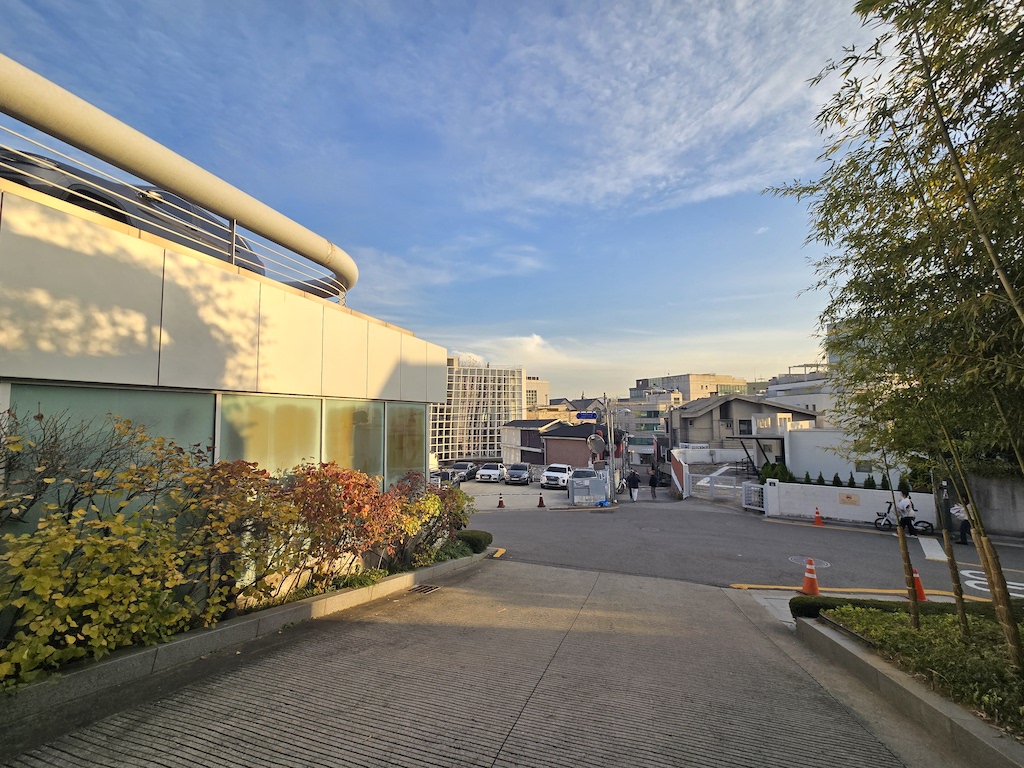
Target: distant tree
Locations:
point(885, 482)
point(869, 482)
point(851, 483)
point(837, 481)
point(904, 485)
point(807, 478)
point(821, 479)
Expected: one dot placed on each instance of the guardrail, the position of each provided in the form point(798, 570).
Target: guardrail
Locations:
point(308, 262)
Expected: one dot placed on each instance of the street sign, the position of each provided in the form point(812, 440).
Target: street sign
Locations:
point(586, 415)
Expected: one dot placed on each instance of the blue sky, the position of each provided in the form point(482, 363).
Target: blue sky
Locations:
point(573, 187)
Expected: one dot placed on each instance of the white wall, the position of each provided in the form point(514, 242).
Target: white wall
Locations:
point(85, 299)
point(842, 504)
point(816, 450)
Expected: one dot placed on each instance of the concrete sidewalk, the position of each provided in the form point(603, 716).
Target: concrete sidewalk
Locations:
point(507, 664)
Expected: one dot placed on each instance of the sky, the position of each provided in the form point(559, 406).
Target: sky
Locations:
point(571, 187)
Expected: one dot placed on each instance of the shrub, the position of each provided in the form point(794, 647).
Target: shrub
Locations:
point(453, 550)
point(837, 481)
point(903, 485)
point(975, 672)
point(884, 485)
point(851, 483)
point(869, 482)
point(767, 473)
point(821, 479)
point(782, 472)
point(807, 478)
point(477, 540)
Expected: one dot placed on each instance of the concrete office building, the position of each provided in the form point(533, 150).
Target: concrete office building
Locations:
point(481, 398)
point(691, 386)
point(99, 317)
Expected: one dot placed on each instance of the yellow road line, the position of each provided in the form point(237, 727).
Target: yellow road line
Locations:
point(833, 526)
point(498, 552)
point(979, 565)
point(856, 590)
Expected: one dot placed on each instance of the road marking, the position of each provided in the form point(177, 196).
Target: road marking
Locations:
point(499, 552)
point(979, 565)
point(976, 580)
point(932, 549)
point(830, 526)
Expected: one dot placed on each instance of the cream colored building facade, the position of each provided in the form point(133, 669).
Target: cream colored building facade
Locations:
point(99, 318)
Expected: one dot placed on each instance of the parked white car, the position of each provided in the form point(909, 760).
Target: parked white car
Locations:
point(491, 473)
point(556, 476)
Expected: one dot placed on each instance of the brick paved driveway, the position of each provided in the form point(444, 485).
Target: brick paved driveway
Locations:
point(507, 664)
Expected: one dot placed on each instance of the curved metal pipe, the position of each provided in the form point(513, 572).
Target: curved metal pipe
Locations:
point(46, 106)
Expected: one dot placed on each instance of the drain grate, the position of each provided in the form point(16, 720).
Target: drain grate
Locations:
point(424, 589)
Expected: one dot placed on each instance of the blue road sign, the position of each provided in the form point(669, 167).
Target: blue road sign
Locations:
point(586, 415)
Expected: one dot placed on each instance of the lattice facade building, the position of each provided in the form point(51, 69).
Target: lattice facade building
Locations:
point(480, 399)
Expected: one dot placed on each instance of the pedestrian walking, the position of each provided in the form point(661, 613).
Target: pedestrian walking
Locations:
point(653, 482)
point(633, 483)
point(959, 513)
point(905, 512)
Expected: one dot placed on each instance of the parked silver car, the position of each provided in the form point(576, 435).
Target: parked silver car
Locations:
point(145, 207)
point(491, 473)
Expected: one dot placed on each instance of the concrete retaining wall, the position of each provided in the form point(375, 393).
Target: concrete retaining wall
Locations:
point(857, 505)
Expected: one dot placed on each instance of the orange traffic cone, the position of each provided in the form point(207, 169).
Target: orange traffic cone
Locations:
point(810, 579)
point(919, 588)
point(501, 502)
point(818, 521)
point(540, 503)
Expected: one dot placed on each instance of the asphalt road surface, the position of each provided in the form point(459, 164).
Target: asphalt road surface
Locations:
point(716, 543)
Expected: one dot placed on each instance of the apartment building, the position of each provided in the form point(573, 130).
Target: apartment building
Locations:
point(481, 398)
point(691, 386)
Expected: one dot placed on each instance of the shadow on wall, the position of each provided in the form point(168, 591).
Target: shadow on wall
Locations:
point(82, 302)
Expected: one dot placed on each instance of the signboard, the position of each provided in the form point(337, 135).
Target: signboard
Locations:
point(852, 499)
point(586, 415)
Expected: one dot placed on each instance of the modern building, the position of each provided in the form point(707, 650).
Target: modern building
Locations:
point(537, 393)
point(690, 385)
point(808, 387)
point(99, 317)
point(480, 399)
point(730, 420)
point(644, 419)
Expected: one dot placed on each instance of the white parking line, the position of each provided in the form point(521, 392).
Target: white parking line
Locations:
point(932, 549)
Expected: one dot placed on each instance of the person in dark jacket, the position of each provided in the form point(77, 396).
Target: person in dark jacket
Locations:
point(633, 483)
point(653, 482)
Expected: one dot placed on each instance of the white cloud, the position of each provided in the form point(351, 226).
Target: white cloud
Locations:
point(595, 364)
point(761, 230)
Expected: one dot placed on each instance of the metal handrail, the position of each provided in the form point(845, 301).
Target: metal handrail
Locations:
point(42, 104)
point(282, 267)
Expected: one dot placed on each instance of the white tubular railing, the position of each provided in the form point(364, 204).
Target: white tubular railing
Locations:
point(35, 101)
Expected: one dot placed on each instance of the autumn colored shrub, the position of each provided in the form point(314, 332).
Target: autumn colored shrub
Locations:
point(112, 537)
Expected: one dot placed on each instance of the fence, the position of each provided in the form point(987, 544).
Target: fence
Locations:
point(753, 496)
point(712, 486)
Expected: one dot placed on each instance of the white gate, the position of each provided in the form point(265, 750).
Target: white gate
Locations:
point(753, 496)
point(712, 486)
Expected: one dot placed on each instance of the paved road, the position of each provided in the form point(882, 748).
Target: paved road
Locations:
point(507, 664)
point(713, 543)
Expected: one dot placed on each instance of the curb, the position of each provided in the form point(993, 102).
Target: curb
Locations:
point(44, 699)
point(970, 738)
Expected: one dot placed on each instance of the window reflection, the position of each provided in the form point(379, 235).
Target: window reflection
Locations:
point(354, 435)
point(406, 440)
point(275, 432)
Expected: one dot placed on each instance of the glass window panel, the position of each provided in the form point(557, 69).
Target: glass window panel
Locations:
point(184, 417)
point(406, 440)
point(354, 435)
point(275, 432)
